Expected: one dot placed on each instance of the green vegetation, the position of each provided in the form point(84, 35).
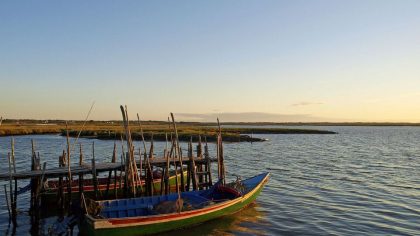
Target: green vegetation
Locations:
point(114, 130)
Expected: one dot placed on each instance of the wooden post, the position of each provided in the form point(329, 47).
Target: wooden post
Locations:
point(147, 176)
point(192, 167)
point(162, 176)
point(124, 164)
point(150, 170)
point(114, 159)
point(95, 181)
point(222, 171)
point(164, 169)
point(14, 170)
point(11, 190)
point(147, 163)
point(41, 184)
point(200, 165)
point(32, 168)
point(189, 167)
point(172, 156)
point(208, 163)
point(60, 184)
point(140, 172)
point(121, 172)
point(178, 153)
point(81, 181)
point(133, 173)
point(167, 174)
point(7, 202)
point(115, 180)
point(70, 177)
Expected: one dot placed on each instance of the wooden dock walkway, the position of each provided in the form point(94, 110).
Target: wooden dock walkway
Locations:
point(87, 168)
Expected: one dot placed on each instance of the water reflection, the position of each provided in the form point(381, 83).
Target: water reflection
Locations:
point(235, 224)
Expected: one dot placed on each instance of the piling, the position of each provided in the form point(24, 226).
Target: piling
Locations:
point(94, 176)
point(113, 160)
point(149, 178)
point(167, 190)
point(208, 163)
point(14, 171)
point(200, 166)
point(70, 177)
point(192, 171)
point(13, 205)
point(81, 181)
point(220, 157)
point(178, 153)
point(60, 199)
point(7, 202)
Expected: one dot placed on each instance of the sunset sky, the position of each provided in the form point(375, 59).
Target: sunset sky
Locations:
point(239, 60)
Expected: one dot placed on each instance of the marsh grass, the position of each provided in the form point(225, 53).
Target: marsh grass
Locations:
point(114, 129)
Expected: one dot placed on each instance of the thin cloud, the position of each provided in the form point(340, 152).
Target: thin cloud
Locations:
point(247, 117)
point(307, 104)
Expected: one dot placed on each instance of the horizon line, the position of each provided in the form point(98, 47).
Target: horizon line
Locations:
point(226, 122)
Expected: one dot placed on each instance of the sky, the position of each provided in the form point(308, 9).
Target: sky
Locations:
point(285, 61)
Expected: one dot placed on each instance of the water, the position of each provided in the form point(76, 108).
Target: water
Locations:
point(362, 181)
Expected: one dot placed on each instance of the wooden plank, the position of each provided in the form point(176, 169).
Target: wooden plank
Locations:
point(87, 168)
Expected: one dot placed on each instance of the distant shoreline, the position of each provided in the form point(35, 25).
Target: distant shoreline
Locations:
point(113, 130)
point(58, 121)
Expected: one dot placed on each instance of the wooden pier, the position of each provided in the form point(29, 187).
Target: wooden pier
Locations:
point(87, 169)
point(131, 175)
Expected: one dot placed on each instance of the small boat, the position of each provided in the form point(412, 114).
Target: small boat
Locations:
point(51, 187)
point(151, 215)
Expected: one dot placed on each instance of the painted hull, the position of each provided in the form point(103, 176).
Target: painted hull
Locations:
point(50, 197)
point(153, 224)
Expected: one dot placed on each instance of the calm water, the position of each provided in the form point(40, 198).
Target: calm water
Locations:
point(362, 181)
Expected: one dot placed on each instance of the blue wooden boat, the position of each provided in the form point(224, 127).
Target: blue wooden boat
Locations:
point(151, 215)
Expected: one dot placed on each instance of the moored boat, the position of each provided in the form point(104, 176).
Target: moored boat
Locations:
point(151, 215)
point(51, 188)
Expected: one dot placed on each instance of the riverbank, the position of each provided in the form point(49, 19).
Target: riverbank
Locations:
point(113, 130)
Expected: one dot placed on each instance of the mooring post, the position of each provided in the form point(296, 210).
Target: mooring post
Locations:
point(81, 181)
point(13, 205)
point(178, 153)
point(95, 181)
point(7, 202)
point(123, 157)
point(200, 164)
point(164, 170)
point(222, 171)
point(150, 168)
point(115, 183)
point(14, 170)
point(37, 192)
point(189, 166)
point(162, 177)
point(113, 160)
point(175, 164)
point(33, 157)
point(208, 162)
point(60, 199)
point(193, 168)
point(140, 172)
point(70, 177)
point(167, 190)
